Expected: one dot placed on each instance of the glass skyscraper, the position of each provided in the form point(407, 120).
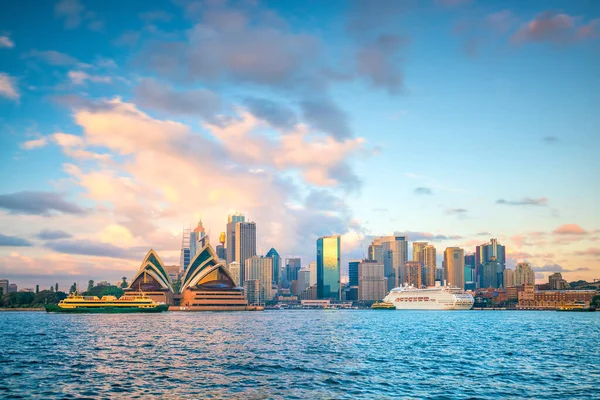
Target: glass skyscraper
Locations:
point(276, 264)
point(353, 272)
point(328, 267)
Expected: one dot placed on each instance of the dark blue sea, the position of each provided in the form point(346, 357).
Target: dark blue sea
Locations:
point(308, 354)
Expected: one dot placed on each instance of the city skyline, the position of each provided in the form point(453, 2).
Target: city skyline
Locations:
point(442, 123)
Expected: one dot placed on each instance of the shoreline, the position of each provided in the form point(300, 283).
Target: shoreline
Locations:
point(21, 309)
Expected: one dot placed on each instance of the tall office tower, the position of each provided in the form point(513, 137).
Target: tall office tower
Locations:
point(491, 274)
point(439, 275)
point(557, 282)
point(261, 269)
point(232, 220)
point(372, 283)
point(426, 255)
point(454, 267)
point(413, 270)
point(245, 244)
point(395, 254)
point(484, 254)
point(376, 250)
point(312, 266)
point(328, 268)
point(253, 292)
point(276, 265)
point(290, 272)
point(197, 239)
point(418, 252)
point(524, 275)
point(234, 269)
point(470, 269)
point(509, 278)
point(303, 279)
point(221, 247)
point(185, 257)
point(353, 272)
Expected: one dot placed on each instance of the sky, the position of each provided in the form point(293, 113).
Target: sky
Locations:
point(449, 121)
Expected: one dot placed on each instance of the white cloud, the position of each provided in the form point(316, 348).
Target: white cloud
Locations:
point(8, 87)
point(6, 42)
point(34, 144)
point(80, 78)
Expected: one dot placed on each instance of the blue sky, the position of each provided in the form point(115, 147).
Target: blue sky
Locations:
point(122, 122)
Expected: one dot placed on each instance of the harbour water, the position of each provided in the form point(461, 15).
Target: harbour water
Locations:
point(301, 354)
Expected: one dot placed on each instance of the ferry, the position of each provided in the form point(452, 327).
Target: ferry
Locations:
point(431, 298)
point(78, 304)
point(383, 306)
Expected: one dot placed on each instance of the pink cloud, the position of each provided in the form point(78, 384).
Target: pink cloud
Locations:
point(570, 229)
point(589, 252)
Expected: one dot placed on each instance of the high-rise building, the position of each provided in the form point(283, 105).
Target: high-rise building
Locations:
point(245, 244)
point(557, 282)
point(261, 269)
point(413, 271)
point(230, 249)
point(276, 265)
point(454, 267)
point(312, 266)
point(234, 270)
point(220, 249)
point(303, 279)
point(290, 272)
point(353, 272)
point(372, 283)
point(470, 268)
point(395, 254)
point(491, 274)
point(524, 275)
point(418, 252)
point(253, 292)
point(376, 250)
point(198, 239)
point(12, 288)
point(484, 254)
point(185, 257)
point(509, 278)
point(328, 268)
point(426, 255)
point(439, 274)
point(4, 285)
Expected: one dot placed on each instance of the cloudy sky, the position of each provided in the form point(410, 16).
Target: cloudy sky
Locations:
point(453, 121)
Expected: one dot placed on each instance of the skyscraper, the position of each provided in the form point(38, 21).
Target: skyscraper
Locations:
point(417, 252)
point(372, 283)
point(197, 239)
point(220, 249)
point(524, 275)
point(185, 257)
point(245, 244)
point(376, 250)
point(230, 249)
point(484, 254)
point(353, 272)
point(261, 269)
point(276, 265)
point(292, 266)
point(426, 255)
point(312, 266)
point(413, 270)
point(491, 274)
point(234, 269)
point(395, 254)
point(328, 268)
point(454, 266)
point(303, 279)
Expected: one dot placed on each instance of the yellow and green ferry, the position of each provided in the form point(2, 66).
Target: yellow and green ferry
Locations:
point(78, 304)
point(383, 306)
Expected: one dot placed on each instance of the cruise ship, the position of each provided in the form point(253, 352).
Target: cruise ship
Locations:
point(431, 298)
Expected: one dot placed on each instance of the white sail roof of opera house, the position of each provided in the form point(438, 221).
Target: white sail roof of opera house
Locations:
point(153, 266)
point(202, 265)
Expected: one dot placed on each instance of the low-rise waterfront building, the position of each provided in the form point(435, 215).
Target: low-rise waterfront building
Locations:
point(530, 298)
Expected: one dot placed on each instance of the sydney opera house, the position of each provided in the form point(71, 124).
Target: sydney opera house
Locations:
point(206, 285)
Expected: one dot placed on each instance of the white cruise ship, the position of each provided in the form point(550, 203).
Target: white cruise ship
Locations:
point(431, 298)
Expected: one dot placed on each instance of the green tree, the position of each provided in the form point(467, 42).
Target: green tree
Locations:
point(46, 297)
point(73, 288)
point(90, 286)
point(52, 288)
point(112, 291)
point(56, 287)
point(37, 289)
point(1, 292)
point(124, 284)
point(595, 301)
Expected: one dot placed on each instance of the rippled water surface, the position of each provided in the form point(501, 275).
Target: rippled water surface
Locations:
point(301, 354)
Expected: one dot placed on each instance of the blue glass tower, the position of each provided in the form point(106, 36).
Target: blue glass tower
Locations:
point(276, 264)
point(328, 268)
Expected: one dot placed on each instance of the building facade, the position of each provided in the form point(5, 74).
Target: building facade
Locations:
point(395, 254)
point(276, 265)
point(328, 268)
point(372, 283)
point(509, 278)
point(413, 271)
point(230, 248)
point(530, 298)
point(245, 244)
point(557, 282)
point(454, 267)
point(353, 272)
point(234, 270)
point(524, 275)
point(261, 269)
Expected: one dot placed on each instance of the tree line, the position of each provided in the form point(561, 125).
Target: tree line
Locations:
point(53, 295)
